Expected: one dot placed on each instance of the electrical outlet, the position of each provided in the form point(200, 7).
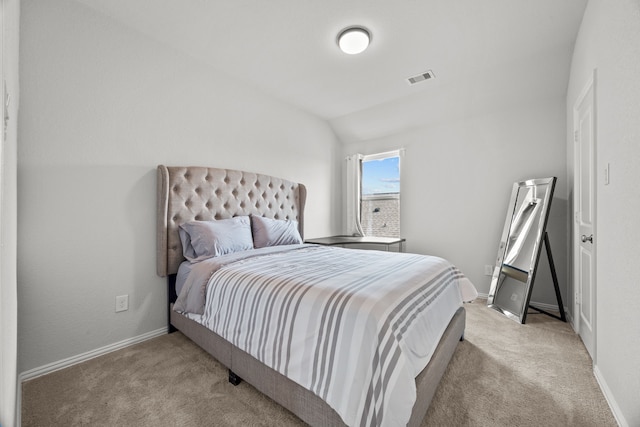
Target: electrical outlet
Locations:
point(122, 303)
point(488, 270)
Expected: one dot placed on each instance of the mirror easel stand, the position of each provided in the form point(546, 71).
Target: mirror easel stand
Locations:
point(554, 276)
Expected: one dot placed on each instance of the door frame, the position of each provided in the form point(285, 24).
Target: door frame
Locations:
point(6, 375)
point(591, 85)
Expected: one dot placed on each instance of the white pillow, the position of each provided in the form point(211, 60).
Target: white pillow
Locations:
point(208, 239)
point(274, 232)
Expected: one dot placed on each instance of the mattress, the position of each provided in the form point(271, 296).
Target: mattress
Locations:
point(353, 326)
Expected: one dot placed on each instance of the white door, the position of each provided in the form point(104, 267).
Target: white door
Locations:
point(585, 211)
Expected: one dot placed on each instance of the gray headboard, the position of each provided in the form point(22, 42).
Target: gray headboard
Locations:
point(200, 193)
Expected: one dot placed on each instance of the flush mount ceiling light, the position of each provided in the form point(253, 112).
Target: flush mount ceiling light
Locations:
point(354, 40)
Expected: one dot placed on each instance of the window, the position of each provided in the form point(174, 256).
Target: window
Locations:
point(380, 194)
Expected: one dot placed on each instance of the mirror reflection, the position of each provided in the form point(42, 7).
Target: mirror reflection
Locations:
point(520, 245)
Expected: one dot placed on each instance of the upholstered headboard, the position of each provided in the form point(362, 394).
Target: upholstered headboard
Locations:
point(201, 193)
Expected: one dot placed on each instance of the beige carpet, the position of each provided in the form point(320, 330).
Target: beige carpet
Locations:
point(503, 374)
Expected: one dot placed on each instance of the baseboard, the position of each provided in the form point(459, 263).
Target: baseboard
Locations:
point(544, 306)
point(548, 307)
point(570, 321)
point(613, 405)
point(74, 360)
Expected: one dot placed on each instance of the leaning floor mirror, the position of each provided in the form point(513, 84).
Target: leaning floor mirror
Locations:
point(520, 246)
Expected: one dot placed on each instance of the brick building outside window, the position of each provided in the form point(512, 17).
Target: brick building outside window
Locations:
point(380, 214)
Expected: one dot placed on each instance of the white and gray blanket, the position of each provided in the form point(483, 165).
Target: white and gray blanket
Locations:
point(353, 326)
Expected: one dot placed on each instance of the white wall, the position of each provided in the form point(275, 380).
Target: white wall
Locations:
point(102, 106)
point(8, 227)
point(457, 177)
point(609, 41)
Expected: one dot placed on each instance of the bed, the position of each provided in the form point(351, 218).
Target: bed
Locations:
point(201, 195)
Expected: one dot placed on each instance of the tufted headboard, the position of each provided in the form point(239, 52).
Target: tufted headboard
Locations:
point(200, 193)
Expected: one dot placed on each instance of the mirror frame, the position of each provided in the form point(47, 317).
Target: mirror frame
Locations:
point(502, 271)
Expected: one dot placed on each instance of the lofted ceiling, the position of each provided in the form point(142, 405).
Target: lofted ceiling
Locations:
point(484, 54)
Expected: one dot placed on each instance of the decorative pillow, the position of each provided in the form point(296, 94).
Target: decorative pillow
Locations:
point(274, 232)
point(208, 239)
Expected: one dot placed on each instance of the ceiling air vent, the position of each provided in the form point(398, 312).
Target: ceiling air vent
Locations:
point(421, 77)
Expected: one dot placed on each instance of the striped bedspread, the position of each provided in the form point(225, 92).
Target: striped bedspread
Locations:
point(353, 326)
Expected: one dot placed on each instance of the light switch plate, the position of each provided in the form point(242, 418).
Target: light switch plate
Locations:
point(488, 270)
point(122, 303)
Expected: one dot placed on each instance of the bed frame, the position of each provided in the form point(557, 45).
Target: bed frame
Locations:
point(200, 193)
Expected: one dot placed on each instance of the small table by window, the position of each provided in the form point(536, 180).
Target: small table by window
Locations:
point(353, 240)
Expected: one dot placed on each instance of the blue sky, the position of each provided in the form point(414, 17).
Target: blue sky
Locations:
point(381, 176)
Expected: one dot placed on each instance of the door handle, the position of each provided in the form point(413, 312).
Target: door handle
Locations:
point(586, 239)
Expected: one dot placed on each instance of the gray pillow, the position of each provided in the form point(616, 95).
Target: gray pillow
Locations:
point(274, 232)
point(208, 239)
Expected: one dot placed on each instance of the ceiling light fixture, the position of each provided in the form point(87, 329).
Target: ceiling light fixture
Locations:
point(354, 40)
